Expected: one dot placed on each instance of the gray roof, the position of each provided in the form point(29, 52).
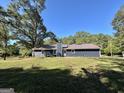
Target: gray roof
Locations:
point(83, 46)
point(68, 47)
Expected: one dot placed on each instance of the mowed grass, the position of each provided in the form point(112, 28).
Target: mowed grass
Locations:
point(49, 63)
point(63, 75)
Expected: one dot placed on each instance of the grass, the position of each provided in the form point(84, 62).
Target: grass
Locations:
point(63, 75)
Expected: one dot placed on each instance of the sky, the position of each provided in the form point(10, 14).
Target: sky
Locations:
point(66, 17)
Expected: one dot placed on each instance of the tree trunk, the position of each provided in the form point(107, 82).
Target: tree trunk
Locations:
point(5, 44)
point(111, 48)
point(5, 56)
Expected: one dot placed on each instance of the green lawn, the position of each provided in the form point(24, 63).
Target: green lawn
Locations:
point(63, 75)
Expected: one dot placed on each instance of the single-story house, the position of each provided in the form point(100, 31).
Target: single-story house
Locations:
point(73, 50)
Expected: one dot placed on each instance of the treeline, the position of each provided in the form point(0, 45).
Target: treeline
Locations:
point(106, 42)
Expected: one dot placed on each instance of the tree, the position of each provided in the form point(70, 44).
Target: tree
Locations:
point(111, 48)
point(82, 34)
point(49, 41)
point(118, 25)
point(119, 41)
point(68, 40)
point(25, 18)
point(102, 41)
point(82, 37)
point(4, 38)
point(13, 49)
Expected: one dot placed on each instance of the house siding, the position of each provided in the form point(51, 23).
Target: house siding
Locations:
point(83, 50)
point(38, 54)
point(83, 53)
point(43, 53)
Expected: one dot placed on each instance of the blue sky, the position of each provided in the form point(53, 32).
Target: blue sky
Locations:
point(65, 17)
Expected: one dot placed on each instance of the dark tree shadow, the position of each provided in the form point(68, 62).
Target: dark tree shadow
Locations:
point(38, 80)
point(115, 82)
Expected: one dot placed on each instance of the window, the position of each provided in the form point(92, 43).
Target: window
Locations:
point(73, 51)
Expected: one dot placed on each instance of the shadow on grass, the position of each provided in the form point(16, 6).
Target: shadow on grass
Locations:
point(38, 80)
point(115, 63)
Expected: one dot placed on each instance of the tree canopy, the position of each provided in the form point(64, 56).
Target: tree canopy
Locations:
point(118, 25)
point(25, 16)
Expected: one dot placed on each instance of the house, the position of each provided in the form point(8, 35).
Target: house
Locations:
point(73, 50)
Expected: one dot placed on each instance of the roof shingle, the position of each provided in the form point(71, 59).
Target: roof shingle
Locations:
point(83, 46)
point(69, 47)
